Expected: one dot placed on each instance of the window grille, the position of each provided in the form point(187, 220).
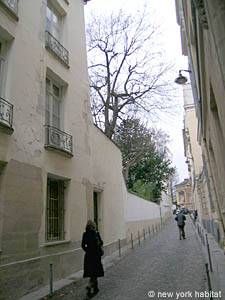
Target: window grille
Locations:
point(55, 210)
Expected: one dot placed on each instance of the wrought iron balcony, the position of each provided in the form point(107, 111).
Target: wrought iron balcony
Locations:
point(59, 140)
point(11, 5)
point(6, 116)
point(52, 44)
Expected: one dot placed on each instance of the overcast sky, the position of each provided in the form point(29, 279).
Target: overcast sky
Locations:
point(163, 14)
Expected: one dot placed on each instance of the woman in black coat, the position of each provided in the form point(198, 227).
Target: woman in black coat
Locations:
point(92, 245)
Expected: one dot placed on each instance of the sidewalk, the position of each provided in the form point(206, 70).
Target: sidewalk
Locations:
point(217, 256)
point(161, 264)
point(77, 278)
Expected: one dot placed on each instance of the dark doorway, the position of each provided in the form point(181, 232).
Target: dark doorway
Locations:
point(96, 208)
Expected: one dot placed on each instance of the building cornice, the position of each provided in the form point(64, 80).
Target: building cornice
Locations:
point(200, 6)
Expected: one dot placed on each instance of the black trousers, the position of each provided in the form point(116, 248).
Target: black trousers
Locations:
point(181, 231)
point(93, 283)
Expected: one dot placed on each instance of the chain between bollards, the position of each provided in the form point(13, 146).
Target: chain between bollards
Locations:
point(151, 231)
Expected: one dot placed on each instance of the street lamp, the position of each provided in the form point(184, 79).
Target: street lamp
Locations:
point(188, 158)
point(182, 79)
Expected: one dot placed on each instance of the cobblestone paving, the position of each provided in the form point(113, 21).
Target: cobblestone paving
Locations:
point(161, 264)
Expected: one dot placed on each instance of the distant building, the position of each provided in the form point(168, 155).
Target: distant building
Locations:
point(184, 194)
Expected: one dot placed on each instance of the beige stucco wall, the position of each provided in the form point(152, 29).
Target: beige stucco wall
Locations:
point(191, 123)
point(27, 66)
point(95, 165)
point(142, 215)
point(108, 178)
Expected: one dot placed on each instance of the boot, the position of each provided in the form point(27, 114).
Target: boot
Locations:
point(89, 294)
point(95, 287)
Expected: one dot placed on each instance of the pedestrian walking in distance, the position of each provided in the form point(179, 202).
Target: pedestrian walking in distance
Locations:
point(92, 245)
point(195, 214)
point(180, 218)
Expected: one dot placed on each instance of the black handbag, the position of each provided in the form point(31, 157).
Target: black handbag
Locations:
point(101, 250)
point(100, 244)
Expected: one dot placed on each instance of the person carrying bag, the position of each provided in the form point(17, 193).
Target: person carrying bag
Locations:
point(92, 245)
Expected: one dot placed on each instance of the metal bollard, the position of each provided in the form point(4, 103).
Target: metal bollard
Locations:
point(51, 280)
point(203, 238)
point(144, 233)
point(209, 254)
point(208, 280)
point(139, 242)
point(119, 248)
point(132, 242)
point(149, 232)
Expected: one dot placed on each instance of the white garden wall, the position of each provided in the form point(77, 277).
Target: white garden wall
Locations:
point(143, 216)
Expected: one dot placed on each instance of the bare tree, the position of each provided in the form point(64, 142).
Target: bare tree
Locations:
point(127, 73)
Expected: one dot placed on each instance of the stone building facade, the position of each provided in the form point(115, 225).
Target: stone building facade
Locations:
point(193, 154)
point(56, 168)
point(203, 41)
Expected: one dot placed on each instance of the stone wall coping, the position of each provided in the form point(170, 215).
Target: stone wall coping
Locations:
point(49, 244)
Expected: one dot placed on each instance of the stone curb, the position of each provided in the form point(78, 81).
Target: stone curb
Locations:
point(218, 261)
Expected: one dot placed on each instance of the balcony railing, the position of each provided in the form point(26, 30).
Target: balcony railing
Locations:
point(12, 5)
point(59, 140)
point(6, 115)
point(52, 44)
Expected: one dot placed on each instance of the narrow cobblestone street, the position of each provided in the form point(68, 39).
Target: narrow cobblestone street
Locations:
point(161, 264)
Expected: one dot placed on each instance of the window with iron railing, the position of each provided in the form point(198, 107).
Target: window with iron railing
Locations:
point(55, 137)
point(53, 34)
point(55, 210)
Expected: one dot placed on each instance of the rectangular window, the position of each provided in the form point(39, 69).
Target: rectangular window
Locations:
point(53, 22)
point(2, 66)
point(1, 75)
point(55, 210)
point(53, 103)
point(55, 17)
